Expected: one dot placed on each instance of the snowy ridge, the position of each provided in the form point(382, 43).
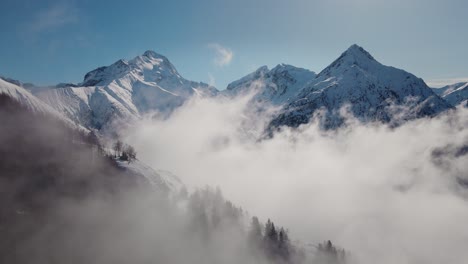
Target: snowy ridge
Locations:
point(24, 97)
point(374, 92)
point(79, 99)
point(124, 91)
point(276, 86)
point(456, 94)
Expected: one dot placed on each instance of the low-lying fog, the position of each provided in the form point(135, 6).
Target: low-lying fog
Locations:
point(391, 195)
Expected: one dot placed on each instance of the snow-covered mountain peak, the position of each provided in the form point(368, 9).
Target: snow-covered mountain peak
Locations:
point(369, 87)
point(151, 66)
point(152, 58)
point(354, 56)
point(286, 69)
point(153, 54)
point(262, 69)
point(282, 66)
point(106, 73)
point(256, 75)
point(357, 52)
point(275, 86)
point(154, 67)
point(124, 90)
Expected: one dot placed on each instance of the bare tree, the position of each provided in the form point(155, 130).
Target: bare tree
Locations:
point(131, 153)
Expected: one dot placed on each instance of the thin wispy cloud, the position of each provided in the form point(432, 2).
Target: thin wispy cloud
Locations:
point(211, 80)
point(223, 55)
point(437, 83)
point(52, 18)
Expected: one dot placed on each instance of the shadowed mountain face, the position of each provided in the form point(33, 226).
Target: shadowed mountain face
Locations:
point(43, 159)
point(57, 186)
point(374, 92)
point(63, 201)
point(43, 163)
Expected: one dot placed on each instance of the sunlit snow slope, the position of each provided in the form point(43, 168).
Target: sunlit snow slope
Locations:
point(124, 90)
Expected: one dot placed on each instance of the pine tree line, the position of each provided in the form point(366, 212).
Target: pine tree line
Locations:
point(273, 242)
point(327, 253)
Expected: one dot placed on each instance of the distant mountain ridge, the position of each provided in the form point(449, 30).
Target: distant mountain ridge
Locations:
point(126, 90)
point(456, 94)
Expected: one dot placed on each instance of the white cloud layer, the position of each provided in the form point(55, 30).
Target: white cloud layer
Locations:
point(223, 55)
point(379, 192)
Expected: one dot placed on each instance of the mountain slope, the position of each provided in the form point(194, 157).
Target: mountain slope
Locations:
point(160, 179)
point(124, 90)
point(374, 92)
point(276, 86)
point(35, 109)
point(12, 89)
point(455, 94)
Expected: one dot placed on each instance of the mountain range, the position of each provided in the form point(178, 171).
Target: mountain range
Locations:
point(371, 90)
point(126, 90)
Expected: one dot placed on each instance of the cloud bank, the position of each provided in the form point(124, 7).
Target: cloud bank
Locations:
point(387, 195)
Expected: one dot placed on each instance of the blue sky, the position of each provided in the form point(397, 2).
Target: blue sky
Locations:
point(47, 42)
